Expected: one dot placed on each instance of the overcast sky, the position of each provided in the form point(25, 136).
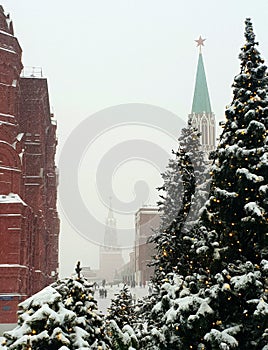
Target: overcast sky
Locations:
point(98, 54)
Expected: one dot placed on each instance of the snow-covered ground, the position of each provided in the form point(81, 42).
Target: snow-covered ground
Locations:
point(104, 303)
point(6, 327)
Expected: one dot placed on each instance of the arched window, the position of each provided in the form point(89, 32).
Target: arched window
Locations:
point(205, 131)
point(212, 132)
point(194, 123)
point(10, 169)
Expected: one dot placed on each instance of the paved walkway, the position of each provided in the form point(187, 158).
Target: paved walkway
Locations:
point(104, 303)
point(6, 327)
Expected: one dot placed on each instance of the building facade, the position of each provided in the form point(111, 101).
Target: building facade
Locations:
point(127, 272)
point(29, 223)
point(147, 218)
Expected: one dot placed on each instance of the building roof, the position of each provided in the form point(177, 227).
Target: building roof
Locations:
point(201, 101)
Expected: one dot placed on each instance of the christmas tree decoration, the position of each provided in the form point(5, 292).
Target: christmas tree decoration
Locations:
point(219, 298)
point(186, 185)
point(123, 339)
point(238, 207)
point(61, 316)
point(121, 319)
point(121, 309)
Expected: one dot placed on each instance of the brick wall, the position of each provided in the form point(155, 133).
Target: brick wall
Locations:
point(29, 223)
point(146, 219)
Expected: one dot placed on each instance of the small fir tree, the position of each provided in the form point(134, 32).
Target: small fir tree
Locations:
point(120, 320)
point(61, 316)
point(121, 309)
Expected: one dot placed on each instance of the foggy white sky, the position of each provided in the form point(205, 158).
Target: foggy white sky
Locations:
point(98, 54)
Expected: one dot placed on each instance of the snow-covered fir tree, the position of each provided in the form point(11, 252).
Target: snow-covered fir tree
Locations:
point(185, 191)
point(124, 338)
point(173, 186)
point(121, 309)
point(238, 206)
point(78, 297)
point(122, 320)
point(222, 303)
point(61, 316)
point(218, 297)
point(183, 319)
point(237, 210)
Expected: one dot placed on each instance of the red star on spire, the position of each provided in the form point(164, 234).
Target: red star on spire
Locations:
point(200, 42)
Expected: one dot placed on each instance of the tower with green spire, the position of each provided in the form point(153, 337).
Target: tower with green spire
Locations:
point(201, 115)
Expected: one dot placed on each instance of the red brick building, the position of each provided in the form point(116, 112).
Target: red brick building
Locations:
point(29, 224)
point(146, 219)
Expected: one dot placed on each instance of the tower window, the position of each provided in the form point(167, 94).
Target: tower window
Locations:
point(205, 132)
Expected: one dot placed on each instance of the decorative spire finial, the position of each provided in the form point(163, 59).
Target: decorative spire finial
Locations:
point(200, 42)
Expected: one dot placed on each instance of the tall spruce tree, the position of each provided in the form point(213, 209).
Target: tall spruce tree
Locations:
point(173, 186)
point(223, 303)
point(185, 191)
point(238, 206)
point(237, 211)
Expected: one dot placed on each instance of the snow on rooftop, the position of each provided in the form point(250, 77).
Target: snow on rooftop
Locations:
point(11, 198)
point(14, 265)
point(8, 50)
point(6, 123)
point(6, 33)
point(7, 115)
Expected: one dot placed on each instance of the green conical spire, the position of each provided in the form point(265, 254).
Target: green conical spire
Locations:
point(201, 101)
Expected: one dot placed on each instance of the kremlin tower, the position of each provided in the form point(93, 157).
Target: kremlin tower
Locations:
point(202, 117)
point(111, 259)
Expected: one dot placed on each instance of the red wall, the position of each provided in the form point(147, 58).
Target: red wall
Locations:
point(147, 218)
point(29, 224)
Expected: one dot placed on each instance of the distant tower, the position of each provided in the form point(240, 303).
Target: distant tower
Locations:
point(110, 237)
point(201, 115)
point(111, 259)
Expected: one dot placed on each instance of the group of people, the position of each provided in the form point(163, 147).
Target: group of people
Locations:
point(101, 288)
point(102, 292)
